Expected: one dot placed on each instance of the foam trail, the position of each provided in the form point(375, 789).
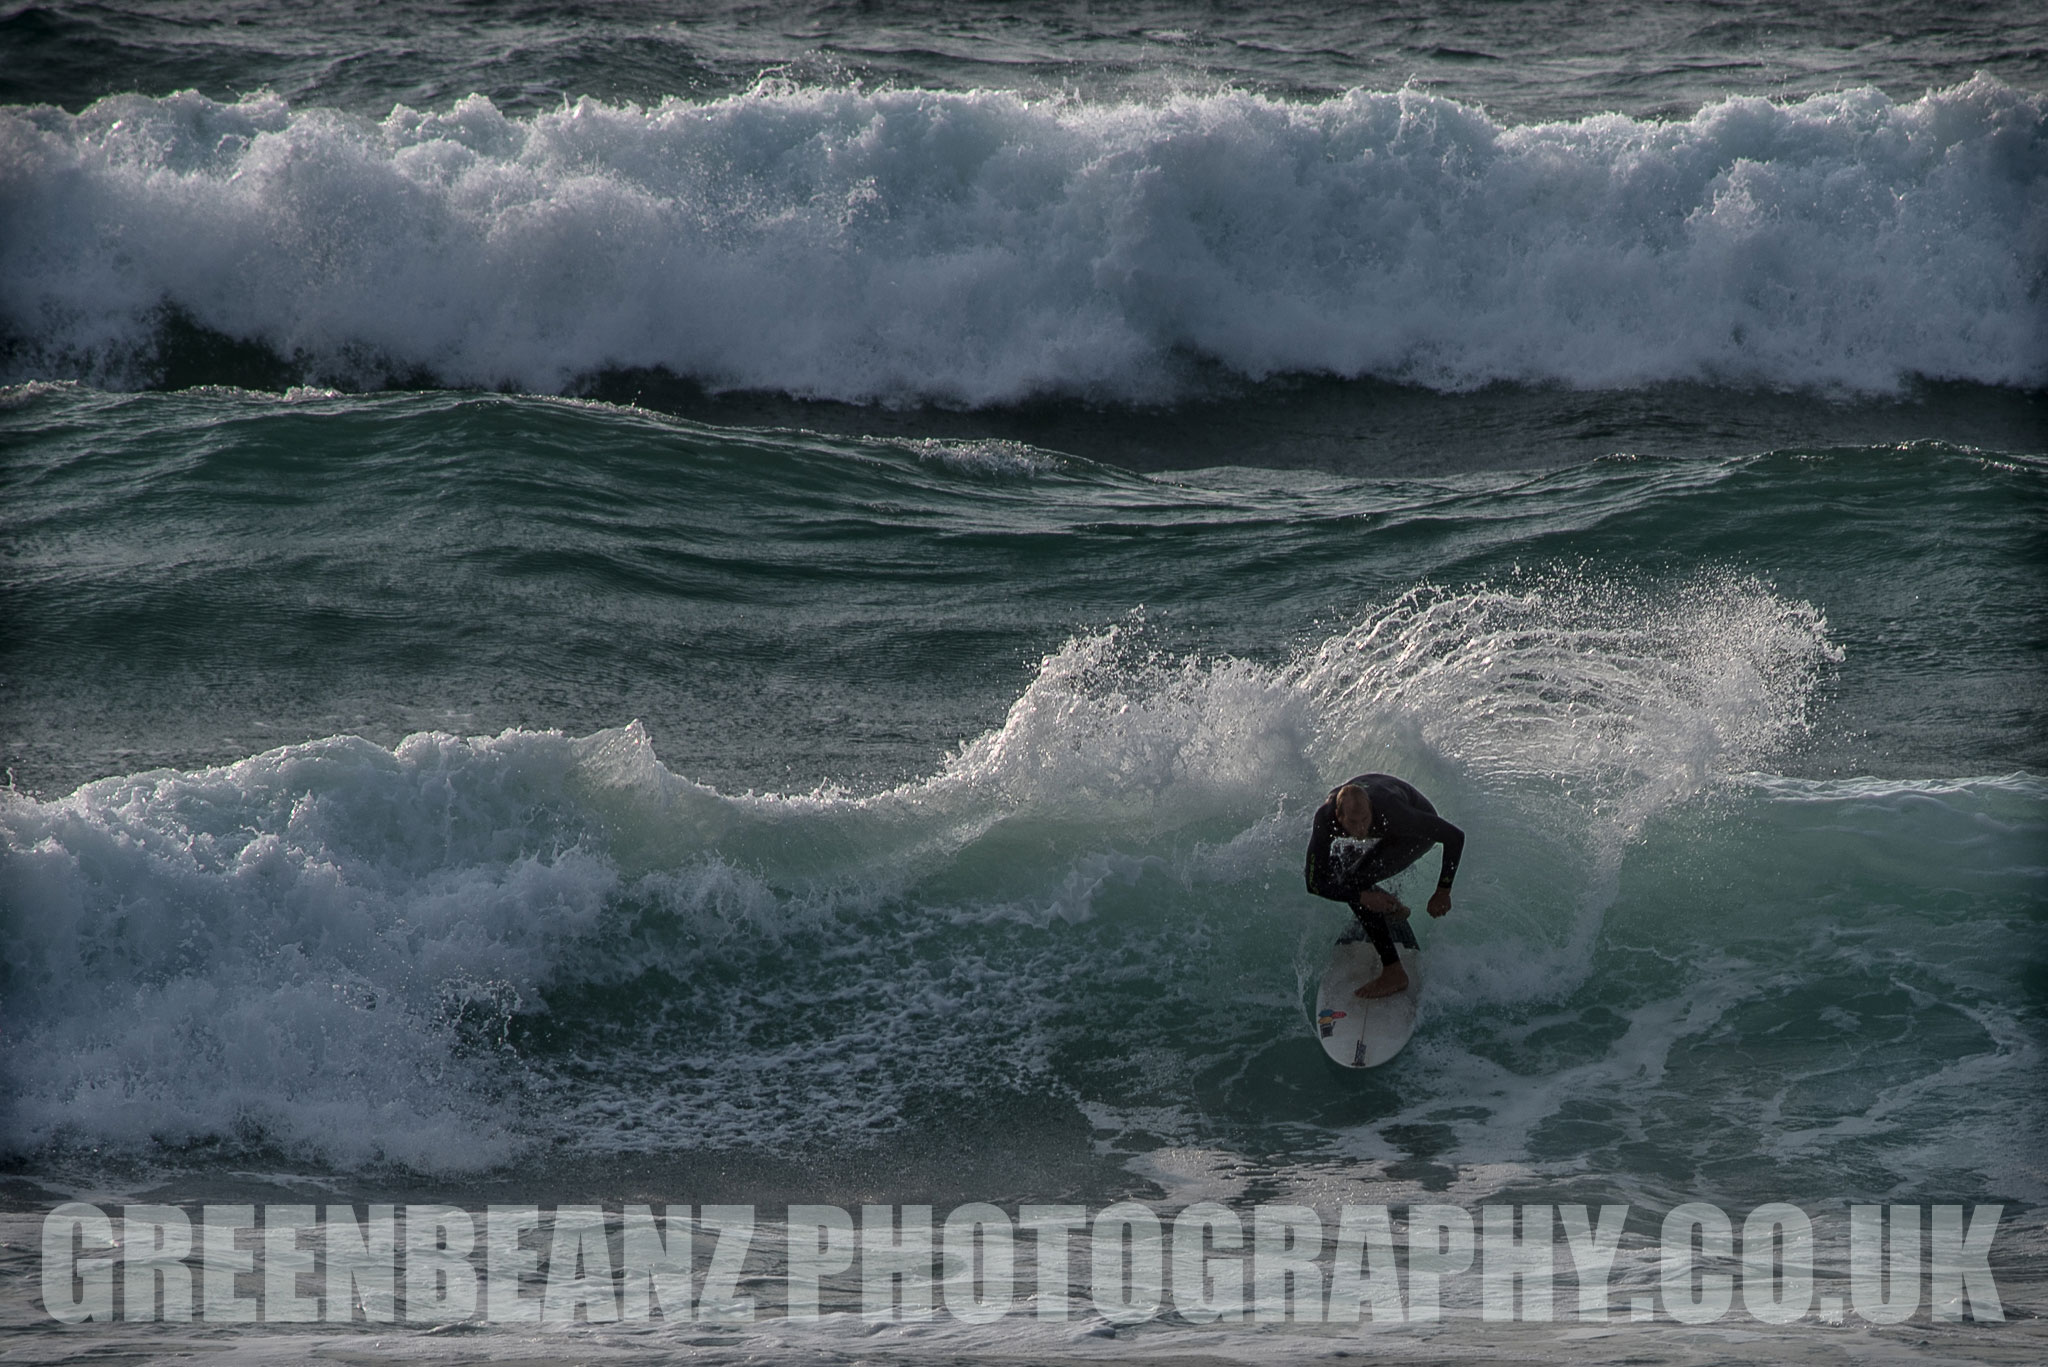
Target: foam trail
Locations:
point(980, 248)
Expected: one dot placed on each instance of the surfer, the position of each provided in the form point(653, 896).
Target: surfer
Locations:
point(1397, 825)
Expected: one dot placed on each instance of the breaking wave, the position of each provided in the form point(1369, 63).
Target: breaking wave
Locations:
point(910, 246)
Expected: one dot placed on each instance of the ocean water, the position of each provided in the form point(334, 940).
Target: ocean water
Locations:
point(726, 604)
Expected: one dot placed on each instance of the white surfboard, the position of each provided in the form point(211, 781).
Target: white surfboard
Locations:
point(1364, 1032)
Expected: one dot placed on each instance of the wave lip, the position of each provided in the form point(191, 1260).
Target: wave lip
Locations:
point(980, 248)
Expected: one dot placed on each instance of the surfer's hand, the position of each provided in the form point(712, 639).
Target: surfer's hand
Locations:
point(1440, 902)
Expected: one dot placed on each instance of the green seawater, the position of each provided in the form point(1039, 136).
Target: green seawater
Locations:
point(572, 790)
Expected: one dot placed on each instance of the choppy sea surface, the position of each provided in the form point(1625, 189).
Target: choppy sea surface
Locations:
point(734, 603)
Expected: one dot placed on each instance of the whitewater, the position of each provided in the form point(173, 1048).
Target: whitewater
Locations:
point(979, 248)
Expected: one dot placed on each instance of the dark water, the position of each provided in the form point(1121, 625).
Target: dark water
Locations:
point(1524, 62)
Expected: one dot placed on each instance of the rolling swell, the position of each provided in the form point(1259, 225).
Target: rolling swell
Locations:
point(981, 249)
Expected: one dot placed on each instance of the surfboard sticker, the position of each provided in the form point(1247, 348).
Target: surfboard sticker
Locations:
point(1362, 1032)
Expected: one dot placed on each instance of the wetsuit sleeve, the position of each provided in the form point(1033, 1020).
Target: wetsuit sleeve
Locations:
point(1454, 849)
point(1321, 872)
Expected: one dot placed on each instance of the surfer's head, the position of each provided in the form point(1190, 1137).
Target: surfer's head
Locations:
point(1353, 806)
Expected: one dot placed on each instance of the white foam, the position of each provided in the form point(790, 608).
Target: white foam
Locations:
point(988, 456)
point(981, 248)
point(307, 946)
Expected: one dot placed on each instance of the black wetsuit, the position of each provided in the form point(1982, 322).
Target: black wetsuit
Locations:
point(1405, 826)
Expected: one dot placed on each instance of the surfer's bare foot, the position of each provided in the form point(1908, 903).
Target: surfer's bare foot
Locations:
point(1392, 979)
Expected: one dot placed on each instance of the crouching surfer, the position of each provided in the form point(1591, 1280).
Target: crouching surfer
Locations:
point(1395, 826)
